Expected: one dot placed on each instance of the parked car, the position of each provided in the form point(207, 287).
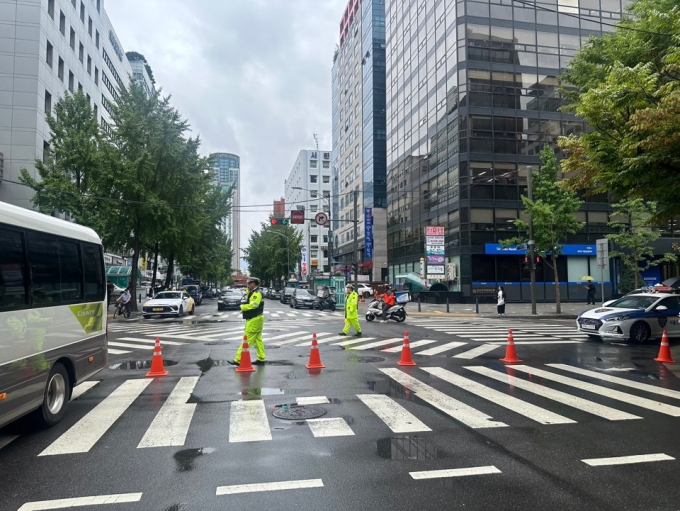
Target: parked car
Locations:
point(302, 298)
point(365, 290)
point(638, 318)
point(274, 294)
point(169, 303)
point(264, 291)
point(287, 294)
point(195, 293)
point(229, 300)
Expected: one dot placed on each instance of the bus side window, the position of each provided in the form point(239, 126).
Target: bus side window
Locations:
point(44, 256)
point(13, 294)
point(94, 272)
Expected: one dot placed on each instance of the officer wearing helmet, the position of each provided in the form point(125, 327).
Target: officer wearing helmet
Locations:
point(253, 313)
point(351, 312)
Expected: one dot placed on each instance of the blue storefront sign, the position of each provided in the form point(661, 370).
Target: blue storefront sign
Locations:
point(569, 250)
point(368, 238)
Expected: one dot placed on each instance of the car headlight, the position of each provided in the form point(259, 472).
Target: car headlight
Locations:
point(623, 317)
point(220, 301)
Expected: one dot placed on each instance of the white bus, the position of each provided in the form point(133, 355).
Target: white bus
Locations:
point(52, 312)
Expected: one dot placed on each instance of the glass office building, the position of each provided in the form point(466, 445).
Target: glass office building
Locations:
point(472, 97)
point(226, 175)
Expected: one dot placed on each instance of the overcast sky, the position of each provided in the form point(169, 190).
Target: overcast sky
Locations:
point(252, 77)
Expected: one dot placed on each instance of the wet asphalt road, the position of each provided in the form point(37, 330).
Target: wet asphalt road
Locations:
point(531, 458)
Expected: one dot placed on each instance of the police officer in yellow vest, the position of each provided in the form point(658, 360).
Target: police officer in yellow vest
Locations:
point(253, 313)
point(351, 311)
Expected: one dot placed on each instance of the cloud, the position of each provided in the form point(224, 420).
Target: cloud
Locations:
point(252, 77)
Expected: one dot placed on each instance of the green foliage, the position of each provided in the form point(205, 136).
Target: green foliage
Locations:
point(626, 85)
point(552, 209)
point(634, 237)
point(273, 251)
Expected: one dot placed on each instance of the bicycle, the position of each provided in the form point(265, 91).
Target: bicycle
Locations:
point(121, 310)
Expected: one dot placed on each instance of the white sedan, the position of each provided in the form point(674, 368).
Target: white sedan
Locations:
point(169, 303)
point(638, 318)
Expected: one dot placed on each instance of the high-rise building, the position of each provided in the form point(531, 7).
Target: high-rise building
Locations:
point(472, 97)
point(280, 208)
point(141, 72)
point(308, 188)
point(359, 162)
point(48, 48)
point(227, 170)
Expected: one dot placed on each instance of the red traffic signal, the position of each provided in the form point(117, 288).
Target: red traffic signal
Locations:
point(279, 221)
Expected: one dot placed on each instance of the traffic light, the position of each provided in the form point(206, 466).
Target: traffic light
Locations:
point(279, 221)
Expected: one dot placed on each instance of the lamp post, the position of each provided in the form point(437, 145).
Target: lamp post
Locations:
point(531, 243)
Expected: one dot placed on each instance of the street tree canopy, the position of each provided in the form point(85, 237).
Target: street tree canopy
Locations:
point(273, 251)
point(626, 85)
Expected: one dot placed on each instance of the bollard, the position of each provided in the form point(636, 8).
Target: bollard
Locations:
point(476, 305)
point(140, 298)
point(418, 303)
point(447, 304)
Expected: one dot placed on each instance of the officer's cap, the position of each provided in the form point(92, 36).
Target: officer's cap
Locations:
point(254, 280)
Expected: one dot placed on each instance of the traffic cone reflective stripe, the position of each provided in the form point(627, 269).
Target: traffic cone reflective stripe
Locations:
point(314, 355)
point(510, 352)
point(157, 367)
point(665, 350)
point(245, 365)
point(406, 359)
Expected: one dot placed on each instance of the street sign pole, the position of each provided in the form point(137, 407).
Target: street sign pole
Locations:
point(602, 260)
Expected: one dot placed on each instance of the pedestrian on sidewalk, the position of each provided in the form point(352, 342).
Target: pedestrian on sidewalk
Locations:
point(590, 288)
point(500, 304)
point(351, 312)
point(253, 313)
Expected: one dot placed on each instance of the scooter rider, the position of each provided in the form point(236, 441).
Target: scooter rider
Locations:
point(389, 300)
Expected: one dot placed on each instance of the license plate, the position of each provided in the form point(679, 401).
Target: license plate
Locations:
point(588, 327)
point(158, 309)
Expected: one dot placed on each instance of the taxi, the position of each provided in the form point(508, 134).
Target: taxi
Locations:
point(169, 303)
point(636, 318)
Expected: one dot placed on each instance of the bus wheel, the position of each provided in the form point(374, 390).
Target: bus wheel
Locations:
point(57, 393)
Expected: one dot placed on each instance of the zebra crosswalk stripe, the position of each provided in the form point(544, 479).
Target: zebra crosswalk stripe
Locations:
point(80, 389)
point(395, 416)
point(441, 349)
point(87, 431)
point(128, 345)
point(476, 352)
point(377, 344)
point(642, 402)
point(364, 339)
point(248, 422)
point(297, 337)
point(171, 424)
point(533, 412)
point(591, 407)
point(460, 411)
point(113, 351)
point(414, 344)
point(335, 426)
point(151, 341)
point(321, 341)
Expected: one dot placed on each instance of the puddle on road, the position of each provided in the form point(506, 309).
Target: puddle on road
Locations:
point(185, 459)
point(408, 448)
point(138, 364)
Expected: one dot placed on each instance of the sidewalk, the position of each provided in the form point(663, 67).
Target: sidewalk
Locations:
point(570, 310)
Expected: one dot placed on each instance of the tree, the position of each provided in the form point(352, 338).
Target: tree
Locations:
point(552, 210)
point(273, 251)
point(70, 172)
point(634, 236)
point(626, 86)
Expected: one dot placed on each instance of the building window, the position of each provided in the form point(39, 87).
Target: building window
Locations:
point(326, 194)
point(80, 87)
point(95, 111)
point(46, 152)
point(81, 53)
point(326, 164)
point(89, 65)
point(313, 208)
point(312, 164)
point(60, 69)
point(62, 23)
point(89, 26)
point(96, 38)
point(99, 5)
point(48, 103)
point(313, 178)
point(73, 2)
point(313, 239)
point(72, 39)
point(48, 54)
point(326, 179)
point(82, 12)
point(96, 76)
point(313, 194)
point(50, 8)
point(71, 81)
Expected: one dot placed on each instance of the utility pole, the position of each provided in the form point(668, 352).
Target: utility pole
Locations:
point(356, 241)
point(532, 262)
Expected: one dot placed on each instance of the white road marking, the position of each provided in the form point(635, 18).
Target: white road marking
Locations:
point(329, 427)
point(359, 340)
point(494, 337)
point(257, 487)
point(553, 341)
point(619, 381)
point(96, 500)
point(625, 460)
point(450, 406)
point(397, 418)
point(375, 344)
point(6, 440)
point(642, 402)
point(82, 436)
point(79, 390)
point(248, 422)
point(171, 424)
point(312, 400)
point(151, 341)
point(454, 472)
point(307, 336)
point(414, 344)
point(533, 412)
point(603, 411)
point(321, 341)
point(128, 345)
point(283, 336)
point(441, 349)
point(113, 351)
point(476, 352)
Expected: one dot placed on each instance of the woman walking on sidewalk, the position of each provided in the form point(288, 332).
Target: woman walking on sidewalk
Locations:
point(500, 304)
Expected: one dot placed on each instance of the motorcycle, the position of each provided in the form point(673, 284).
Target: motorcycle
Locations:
point(397, 312)
point(322, 303)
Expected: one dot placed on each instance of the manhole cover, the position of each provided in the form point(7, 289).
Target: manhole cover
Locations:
point(294, 413)
point(366, 360)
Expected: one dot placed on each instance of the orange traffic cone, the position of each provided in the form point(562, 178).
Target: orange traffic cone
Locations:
point(510, 352)
point(157, 368)
point(406, 359)
point(246, 366)
point(314, 355)
point(665, 350)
